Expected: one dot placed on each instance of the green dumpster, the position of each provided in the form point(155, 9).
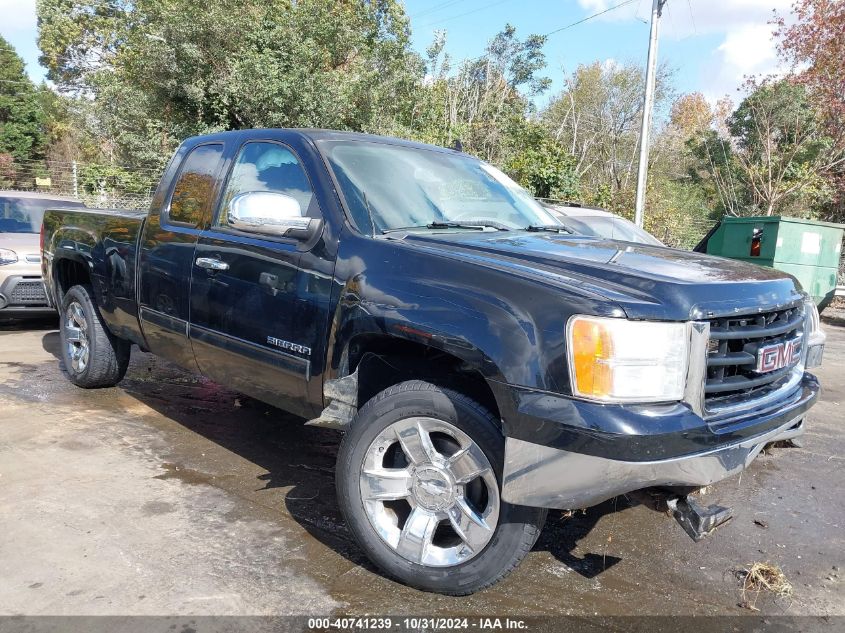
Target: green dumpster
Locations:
point(806, 249)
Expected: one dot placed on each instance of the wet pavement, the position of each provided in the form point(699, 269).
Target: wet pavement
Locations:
point(173, 495)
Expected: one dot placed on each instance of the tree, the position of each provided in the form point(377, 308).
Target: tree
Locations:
point(544, 166)
point(485, 102)
point(814, 44)
point(690, 116)
point(715, 168)
point(160, 70)
point(597, 117)
point(21, 120)
point(783, 150)
point(777, 155)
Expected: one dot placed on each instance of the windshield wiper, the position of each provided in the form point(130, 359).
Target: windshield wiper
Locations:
point(478, 225)
point(551, 228)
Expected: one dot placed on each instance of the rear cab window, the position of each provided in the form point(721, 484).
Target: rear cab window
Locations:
point(194, 191)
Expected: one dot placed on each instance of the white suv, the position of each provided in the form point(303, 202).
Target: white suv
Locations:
point(21, 288)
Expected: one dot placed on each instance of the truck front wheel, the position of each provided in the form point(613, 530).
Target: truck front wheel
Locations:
point(93, 357)
point(418, 481)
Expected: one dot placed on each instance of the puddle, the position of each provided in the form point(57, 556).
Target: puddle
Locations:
point(185, 475)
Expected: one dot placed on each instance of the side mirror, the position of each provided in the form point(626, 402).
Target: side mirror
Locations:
point(270, 213)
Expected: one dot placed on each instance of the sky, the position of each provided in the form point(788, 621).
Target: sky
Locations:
point(711, 44)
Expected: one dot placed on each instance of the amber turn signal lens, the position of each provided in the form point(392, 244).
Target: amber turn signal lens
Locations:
point(592, 349)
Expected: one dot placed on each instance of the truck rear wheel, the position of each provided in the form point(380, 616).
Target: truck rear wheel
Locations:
point(418, 480)
point(93, 357)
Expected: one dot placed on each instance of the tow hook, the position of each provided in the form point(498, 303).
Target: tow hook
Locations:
point(698, 521)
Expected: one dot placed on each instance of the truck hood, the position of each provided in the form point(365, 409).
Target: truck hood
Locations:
point(648, 282)
point(22, 243)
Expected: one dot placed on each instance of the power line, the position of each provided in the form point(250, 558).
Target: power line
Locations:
point(692, 16)
point(435, 8)
point(460, 15)
point(470, 60)
point(637, 13)
point(590, 17)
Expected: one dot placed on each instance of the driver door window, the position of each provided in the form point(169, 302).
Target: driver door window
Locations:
point(267, 167)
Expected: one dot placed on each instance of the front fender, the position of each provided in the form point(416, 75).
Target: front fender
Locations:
point(462, 325)
point(509, 328)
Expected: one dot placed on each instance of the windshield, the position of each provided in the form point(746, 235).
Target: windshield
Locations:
point(390, 187)
point(24, 215)
point(610, 227)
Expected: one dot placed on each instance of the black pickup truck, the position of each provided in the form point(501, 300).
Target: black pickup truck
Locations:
point(485, 363)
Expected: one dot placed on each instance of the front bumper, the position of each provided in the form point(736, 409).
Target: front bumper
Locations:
point(20, 291)
point(577, 464)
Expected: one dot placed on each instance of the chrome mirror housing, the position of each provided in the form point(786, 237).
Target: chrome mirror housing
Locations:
point(269, 213)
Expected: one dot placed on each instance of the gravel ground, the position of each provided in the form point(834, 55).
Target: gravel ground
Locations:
point(173, 495)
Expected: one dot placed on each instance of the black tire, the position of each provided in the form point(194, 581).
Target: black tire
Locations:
point(516, 531)
point(108, 356)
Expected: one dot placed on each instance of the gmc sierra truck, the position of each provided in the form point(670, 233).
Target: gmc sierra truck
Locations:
point(485, 363)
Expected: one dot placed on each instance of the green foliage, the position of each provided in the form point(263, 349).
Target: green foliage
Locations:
point(95, 178)
point(7, 171)
point(715, 170)
point(598, 116)
point(21, 118)
point(484, 101)
point(161, 70)
point(774, 156)
point(138, 76)
point(544, 167)
point(777, 113)
point(679, 211)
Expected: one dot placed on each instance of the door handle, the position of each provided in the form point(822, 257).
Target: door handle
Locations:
point(209, 263)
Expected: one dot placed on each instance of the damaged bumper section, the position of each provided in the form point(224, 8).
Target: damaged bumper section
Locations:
point(567, 454)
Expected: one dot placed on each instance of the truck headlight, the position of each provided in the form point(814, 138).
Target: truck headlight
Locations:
point(7, 256)
point(616, 360)
point(814, 335)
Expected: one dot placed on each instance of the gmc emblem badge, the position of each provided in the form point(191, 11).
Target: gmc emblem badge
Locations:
point(778, 355)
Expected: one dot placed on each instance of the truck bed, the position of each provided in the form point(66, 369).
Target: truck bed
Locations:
point(105, 241)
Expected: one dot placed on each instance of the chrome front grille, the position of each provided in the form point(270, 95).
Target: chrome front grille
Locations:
point(28, 293)
point(732, 355)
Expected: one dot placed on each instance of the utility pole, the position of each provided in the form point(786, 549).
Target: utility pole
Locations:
point(648, 105)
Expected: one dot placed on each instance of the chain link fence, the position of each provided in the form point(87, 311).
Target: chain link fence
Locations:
point(101, 185)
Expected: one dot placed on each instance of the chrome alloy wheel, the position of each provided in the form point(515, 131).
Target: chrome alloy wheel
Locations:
point(76, 337)
point(430, 492)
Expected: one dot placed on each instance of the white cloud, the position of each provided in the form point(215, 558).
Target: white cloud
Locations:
point(685, 19)
point(747, 45)
point(746, 51)
point(594, 5)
